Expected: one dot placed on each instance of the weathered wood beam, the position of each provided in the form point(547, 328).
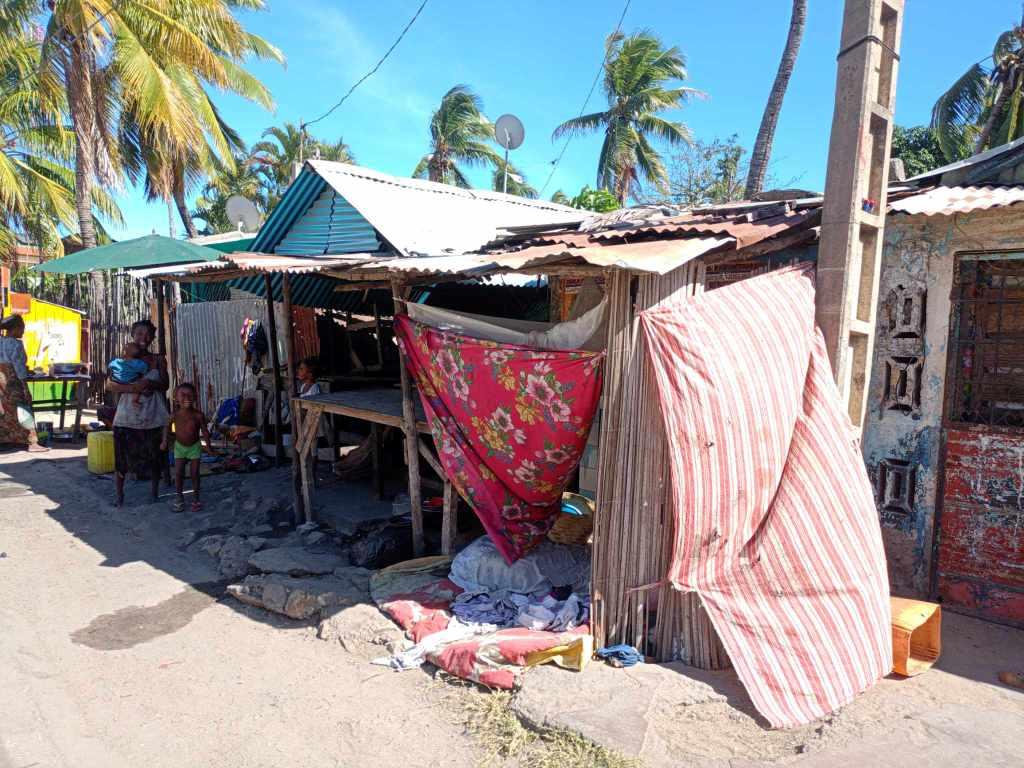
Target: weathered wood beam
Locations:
point(411, 435)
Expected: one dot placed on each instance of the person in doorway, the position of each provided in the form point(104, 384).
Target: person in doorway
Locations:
point(189, 425)
point(307, 372)
point(139, 426)
point(17, 421)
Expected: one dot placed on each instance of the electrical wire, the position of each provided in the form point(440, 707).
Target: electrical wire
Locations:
point(377, 66)
point(583, 109)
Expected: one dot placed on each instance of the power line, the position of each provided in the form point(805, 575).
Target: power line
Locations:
point(359, 82)
point(583, 109)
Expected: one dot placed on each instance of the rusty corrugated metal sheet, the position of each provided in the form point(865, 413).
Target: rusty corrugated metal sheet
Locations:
point(744, 231)
point(944, 201)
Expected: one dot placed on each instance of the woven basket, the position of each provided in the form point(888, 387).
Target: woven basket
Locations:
point(573, 528)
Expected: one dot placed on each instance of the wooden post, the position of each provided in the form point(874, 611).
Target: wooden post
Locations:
point(275, 365)
point(299, 511)
point(289, 337)
point(412, 453)
point(449, 518)
point(161, 340)
point(172, 337)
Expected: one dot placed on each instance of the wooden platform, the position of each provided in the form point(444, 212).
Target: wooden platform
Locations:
point(378, 406)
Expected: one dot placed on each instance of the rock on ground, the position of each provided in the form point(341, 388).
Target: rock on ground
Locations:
point(295, 561)
point(304, 598)
point(362, 630)
point(234, 557)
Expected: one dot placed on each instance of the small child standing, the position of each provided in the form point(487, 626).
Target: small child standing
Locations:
point(129, 368)
point(189, 424)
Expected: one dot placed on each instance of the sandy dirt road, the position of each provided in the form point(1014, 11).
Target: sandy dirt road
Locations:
point(109, 658)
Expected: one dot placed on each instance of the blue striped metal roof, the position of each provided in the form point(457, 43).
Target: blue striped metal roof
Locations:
point(312, 219)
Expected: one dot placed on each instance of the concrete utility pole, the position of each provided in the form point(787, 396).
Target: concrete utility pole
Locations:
point(853, 216)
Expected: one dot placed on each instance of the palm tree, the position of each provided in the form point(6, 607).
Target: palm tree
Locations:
point(243, 176)
point(561, 198)
point(281, 150)
point(985, 107)
point(517, 184)
point(459, 133)
point(770, 119)
point(37, 195)
point(636, 72)
point(151, 64)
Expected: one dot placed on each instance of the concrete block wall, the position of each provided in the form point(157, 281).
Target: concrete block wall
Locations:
point(919, 255)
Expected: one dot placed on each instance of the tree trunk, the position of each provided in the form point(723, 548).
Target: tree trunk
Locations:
point(186, 217)
point(770, 119)
point(998, 106)
point(83, 119)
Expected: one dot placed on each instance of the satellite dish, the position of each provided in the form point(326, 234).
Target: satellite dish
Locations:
point(508, 132)
point(243, 213)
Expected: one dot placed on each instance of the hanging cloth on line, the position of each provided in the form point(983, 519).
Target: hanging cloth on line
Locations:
point(510, 423)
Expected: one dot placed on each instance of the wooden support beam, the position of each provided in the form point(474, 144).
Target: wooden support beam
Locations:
point(429, 457)
point(275, 365)
point(289, 336)
point(412, 455)
point(161, 307)
point(449, 519)
point(299, 509)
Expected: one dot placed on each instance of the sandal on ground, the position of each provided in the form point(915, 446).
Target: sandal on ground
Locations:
point(197, 506)
point(178, 505)
point(36, 448)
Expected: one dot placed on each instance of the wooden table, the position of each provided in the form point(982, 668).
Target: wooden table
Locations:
point(81, 392)
point(380, 406)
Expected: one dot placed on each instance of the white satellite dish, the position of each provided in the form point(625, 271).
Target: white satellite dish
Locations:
point(508, 132)
point(243, 213)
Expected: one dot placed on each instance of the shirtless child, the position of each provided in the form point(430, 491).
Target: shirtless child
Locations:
point(189, 423)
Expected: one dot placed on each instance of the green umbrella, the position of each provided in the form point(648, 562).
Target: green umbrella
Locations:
point(148, 251)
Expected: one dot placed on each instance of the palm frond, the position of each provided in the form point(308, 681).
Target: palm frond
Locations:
point(957, 110)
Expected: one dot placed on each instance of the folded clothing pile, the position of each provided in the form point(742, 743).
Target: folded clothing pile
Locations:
point(546, 589)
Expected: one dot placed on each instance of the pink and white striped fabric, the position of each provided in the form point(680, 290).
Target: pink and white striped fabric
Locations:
point(776, 524)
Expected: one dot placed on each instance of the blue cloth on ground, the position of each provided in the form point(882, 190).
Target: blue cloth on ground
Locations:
point(127, 370)
point(626, 655)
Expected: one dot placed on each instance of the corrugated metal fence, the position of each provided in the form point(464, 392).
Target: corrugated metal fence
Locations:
point(208, 339)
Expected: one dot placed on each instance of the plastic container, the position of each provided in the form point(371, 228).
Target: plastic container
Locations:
point(101, 452)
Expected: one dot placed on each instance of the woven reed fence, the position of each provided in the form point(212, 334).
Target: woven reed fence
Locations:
point(634, 523)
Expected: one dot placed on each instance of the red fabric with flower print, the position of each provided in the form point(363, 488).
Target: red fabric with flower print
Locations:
point(509, 422)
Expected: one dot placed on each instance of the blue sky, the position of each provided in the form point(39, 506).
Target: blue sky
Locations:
point(537, 60)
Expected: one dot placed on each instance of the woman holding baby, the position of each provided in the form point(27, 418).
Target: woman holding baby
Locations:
point(141, 414)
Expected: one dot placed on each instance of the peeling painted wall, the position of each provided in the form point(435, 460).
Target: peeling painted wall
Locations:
point(903, 429)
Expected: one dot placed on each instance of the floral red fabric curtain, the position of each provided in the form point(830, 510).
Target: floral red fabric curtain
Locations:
point(510, 424)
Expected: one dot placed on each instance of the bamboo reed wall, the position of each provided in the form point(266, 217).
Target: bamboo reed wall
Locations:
point(634, 522)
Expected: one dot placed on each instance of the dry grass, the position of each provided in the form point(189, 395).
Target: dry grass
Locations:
point(504, 740)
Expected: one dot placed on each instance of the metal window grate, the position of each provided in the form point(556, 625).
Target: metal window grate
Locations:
point(988, 340)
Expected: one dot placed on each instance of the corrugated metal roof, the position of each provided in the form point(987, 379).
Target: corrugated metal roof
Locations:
point(659, 256)
point(426, 218)
point(329, 226)
point(742, 229)
point(969, 162)
point(943, 201)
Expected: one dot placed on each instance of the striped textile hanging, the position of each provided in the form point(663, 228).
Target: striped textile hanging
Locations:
point(776, 528)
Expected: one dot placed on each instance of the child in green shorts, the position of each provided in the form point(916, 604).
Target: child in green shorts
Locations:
point(189, 423)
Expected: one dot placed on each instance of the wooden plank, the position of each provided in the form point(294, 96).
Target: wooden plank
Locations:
point(429, 457)
point(449, 519)
point(289, 335)
point(275, 364)
point(311, 422)
point(411, 437)
point(298, 507)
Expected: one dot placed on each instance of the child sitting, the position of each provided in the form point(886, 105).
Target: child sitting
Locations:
point(189, 423)
point(130, 367)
